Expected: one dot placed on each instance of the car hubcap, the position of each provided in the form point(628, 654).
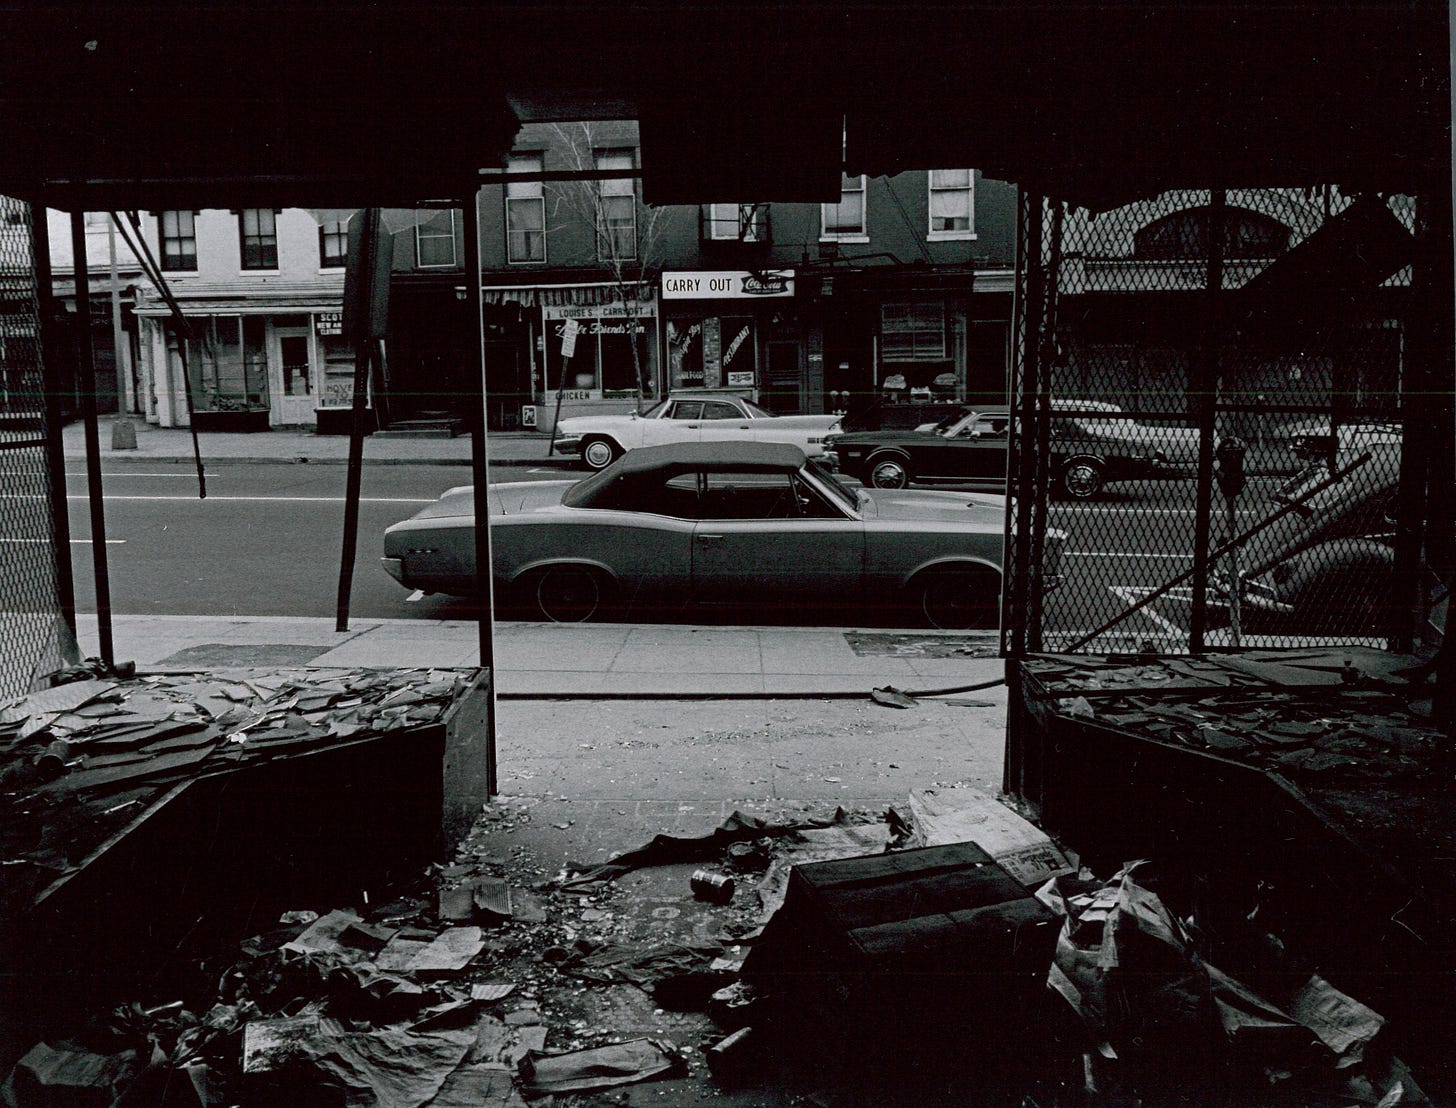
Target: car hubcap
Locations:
point(568, 595)
point(1083, 480)
point(889, 475)
point(598, 455)
point(957, 602)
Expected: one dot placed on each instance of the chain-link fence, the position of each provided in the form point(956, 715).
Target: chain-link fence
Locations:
point(34, 639)
point(1207, 449)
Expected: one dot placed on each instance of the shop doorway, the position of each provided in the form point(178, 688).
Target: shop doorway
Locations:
point(780, 386)
point(292, 383)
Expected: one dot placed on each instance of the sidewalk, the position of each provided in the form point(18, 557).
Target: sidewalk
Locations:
point(570, 660)
point(174, 444)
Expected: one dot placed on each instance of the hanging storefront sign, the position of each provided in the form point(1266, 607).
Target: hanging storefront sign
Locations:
point(329, 323)
point(727, 284)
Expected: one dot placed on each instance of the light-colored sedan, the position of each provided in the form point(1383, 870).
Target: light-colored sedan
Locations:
point(708, 416)
point(746, 529)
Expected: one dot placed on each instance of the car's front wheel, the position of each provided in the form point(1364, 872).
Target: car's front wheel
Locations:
point(958, 599)
point(567, 594)
point(1082, 479)
point(598, 453)
point(888, 471)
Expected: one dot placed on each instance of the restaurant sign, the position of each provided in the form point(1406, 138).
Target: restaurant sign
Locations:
point(727, 284)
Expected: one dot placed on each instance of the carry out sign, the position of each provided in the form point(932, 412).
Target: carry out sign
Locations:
point(728, 284)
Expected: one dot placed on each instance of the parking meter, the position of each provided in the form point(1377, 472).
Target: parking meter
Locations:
point(1229, 455)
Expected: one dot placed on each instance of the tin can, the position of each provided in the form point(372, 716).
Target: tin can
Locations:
point(716, 887)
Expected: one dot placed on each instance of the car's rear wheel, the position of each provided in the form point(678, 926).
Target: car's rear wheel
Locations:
point(888, 471)
point(598, 453)
point(1082, 478)
point(958, 599)
point(567, 594)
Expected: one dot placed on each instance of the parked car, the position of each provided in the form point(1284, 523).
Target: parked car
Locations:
point(707, 416)
point(740, 527)
point(1313, 439)
point(1325, 568)
point(1091, 447)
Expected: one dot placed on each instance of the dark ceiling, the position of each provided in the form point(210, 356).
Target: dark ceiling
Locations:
point(164, 103)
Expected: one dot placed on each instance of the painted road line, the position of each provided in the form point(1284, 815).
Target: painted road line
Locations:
point(271, 499)
point(190, 476)
point(47, 542)
point(418, 594)
point(1131, 594)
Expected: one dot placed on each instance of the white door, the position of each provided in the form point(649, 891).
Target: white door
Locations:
point(294, 402)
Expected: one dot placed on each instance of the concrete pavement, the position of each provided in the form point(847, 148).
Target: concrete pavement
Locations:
point(298, 446)
point(562, 660)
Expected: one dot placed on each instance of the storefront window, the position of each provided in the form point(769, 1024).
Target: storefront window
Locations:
point(228, 362)
point(713, 351)
point(604, 365)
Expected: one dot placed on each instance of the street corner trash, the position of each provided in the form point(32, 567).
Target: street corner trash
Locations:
point(892, 697)
point(739, 1059)
point(59, 1075)
point(603, 1067)
point(732, 1006)
point(714, 887)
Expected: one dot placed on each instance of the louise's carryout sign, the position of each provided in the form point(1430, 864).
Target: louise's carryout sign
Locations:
point(731, 284)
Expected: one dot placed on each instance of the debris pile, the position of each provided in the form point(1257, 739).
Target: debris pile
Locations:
point(83, 758)
point(491, 979)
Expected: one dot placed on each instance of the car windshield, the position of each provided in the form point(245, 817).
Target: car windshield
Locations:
point(755, 411)
point(952, 425)
point(833, 484)
point(655, 411)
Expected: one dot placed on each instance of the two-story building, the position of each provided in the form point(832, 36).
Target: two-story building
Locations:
point(902, 288)
point(261, 290)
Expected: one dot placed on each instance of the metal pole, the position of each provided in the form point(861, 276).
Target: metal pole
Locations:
point(51, 402)
point(561, 388)
point(87, 371)
point(1026, 490)
point(480, 472)
point(363, 343)
point(1234, 589)
point(1206, 385)
point(125, 375)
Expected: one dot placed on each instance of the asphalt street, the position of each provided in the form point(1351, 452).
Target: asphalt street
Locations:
point(267, 541)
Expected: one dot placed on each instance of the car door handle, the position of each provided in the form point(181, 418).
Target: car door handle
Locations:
point(743, 427)
point(692, 426)
point(710, 538)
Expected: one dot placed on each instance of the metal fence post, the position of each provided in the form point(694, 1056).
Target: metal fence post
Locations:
point(1206, 397)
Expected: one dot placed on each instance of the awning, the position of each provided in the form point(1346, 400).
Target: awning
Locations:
point(559, 296)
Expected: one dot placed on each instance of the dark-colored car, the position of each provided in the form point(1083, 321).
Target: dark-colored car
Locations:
point(1093, 444)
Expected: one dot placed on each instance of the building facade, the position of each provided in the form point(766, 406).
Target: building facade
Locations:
point(899, 291)
point(261, 291)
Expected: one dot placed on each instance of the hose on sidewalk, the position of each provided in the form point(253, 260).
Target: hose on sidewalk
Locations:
point(839, 694)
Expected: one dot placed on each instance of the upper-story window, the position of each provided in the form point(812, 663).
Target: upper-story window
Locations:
point(525, 212)
point(952, 204)
point(333, 244)
point(435, 240)
point(846, 220)
point(617, 234)
point(258, 233)
point(738, 222)
point(179, 241)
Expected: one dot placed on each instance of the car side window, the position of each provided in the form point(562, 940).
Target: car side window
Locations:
point(992, 427)
point(811, 503)
point(718, 409)
point(749, 496)
point(687, 409)
point(677, 496)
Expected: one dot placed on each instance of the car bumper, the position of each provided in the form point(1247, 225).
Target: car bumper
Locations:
point(394, 567)
point(567, 444)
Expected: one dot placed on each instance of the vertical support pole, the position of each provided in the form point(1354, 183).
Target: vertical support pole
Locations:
point(1020, 615)
point(480, 472)
point(86, 371)
point(363, 351)
point(51, 400)
point(1047, 346)
point(1206, 396)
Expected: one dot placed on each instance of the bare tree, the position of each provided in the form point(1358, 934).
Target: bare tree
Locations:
point(627, 234)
